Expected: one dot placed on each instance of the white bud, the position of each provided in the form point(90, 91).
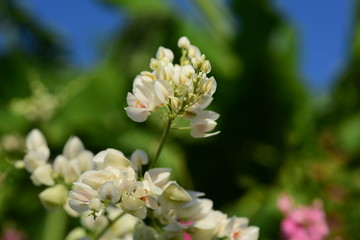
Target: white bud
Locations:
point(165, 54)
point(19, 164)
point(33, 160)
point(54, 197)
point(73, 147)
point(174, 102)
point(183, 42)
point(35, 141)
point(43, 175)
point(193, 51)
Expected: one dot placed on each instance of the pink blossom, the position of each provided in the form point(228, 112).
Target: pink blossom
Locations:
point(13, 234)
point(304, 222)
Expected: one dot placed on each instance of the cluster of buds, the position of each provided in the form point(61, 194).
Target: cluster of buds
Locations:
point(183, 90)
point(302, 222)
point(59, 175)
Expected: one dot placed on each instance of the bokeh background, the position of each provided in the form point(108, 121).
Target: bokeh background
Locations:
point(288, 96)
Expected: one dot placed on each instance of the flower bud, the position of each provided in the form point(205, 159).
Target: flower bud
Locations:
point(164, 53)
point(183, 42)
point(198, 61)
point(193, 51)
point(19, 164)
point(175, 195)
point(43, 175)
point(174, 102)
point(54, 197)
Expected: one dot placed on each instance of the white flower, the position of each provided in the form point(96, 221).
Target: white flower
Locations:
point(141, 102)
point(81, 196)
point(202, 123)
point(237, 229)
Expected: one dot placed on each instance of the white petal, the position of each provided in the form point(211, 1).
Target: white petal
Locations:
point(60, 165)
point(137, 114)
point(160, 176)
point(115, 158)
point(131, 99)
point(99, 159)
point(163, 90)
point(108, 191)
point(78, 206)
point(94, 178)
point(149, 185)
point(85, 161)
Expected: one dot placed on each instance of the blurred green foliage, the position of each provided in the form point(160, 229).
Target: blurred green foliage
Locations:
point(275, 137)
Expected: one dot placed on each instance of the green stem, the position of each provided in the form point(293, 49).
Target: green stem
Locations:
point(98, 236)
point(162, 141)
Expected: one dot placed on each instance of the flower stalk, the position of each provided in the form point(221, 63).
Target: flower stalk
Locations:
point(164, 137)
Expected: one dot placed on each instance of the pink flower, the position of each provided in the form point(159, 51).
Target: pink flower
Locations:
point(187, 236)
point(303, 222)
point(13, 234)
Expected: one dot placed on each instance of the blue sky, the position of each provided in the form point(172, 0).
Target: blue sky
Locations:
point(323, 26)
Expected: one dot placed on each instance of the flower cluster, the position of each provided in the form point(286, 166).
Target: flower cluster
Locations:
point(182, 89)
point(302, 222)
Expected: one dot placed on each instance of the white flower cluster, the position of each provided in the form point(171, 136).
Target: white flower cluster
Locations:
point(182, 89)
point(65, 169)
point(115, 199)
point(116, 183)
